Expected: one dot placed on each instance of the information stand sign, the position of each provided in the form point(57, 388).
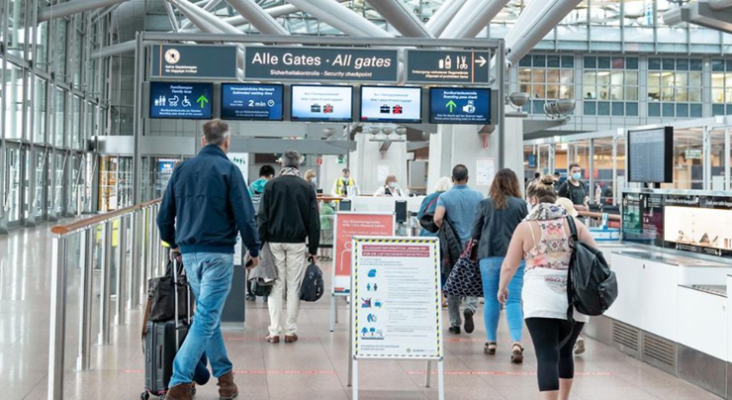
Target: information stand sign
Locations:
point(396, 302)
point(348, 224)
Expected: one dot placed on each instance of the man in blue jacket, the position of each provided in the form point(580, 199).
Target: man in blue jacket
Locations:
point(205, 206)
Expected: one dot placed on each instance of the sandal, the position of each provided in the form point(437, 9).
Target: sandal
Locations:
point(490, 348)
point(517, 356)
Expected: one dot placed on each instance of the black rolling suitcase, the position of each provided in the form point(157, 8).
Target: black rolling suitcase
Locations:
point(162, 340)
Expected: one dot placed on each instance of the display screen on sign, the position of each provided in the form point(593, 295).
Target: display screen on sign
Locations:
point(650, 155)
point(180, 100)
point(460, 106)
point(322, 103)
point(391, 104)
point(396, 301)
point(348, 225)
point(252, 102)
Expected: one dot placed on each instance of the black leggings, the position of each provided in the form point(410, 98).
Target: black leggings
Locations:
point(554, 364)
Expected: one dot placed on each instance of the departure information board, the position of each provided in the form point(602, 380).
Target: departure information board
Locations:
point(460, 106)
point(650, 155)
point(322, 103)
point(180, 100)
point(252, 102)
point(391, 104)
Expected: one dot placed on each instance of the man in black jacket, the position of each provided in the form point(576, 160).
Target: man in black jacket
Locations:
point(205, 206)
point(288, 215)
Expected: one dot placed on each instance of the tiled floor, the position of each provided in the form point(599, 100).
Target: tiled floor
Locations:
point(314, 368)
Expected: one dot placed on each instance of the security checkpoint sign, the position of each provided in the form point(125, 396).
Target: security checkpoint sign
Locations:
point(446, 66)
point(194, 61)
point(320, 64)
point(396, 308)
point(347, 225)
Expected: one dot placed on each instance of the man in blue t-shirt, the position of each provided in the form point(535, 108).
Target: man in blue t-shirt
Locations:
point(459, 205)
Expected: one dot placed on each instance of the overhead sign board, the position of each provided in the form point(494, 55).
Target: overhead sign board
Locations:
point(180, 100)
point(460, 106)
point(391, 104)
point(193, 61)
point(320, 64)
point(318, 103)
point(252, 102)
point(438, 66)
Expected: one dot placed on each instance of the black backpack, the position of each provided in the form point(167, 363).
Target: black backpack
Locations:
point(312, 284)
point(591, 286)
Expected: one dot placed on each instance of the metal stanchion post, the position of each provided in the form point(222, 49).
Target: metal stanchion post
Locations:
point(122, 272)
point(83, 362)
point(428, 375)
point(106, 284)
point(135, 265)
point(58, 320)
point(155, 242)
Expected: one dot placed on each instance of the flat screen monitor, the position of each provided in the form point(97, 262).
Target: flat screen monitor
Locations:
point(650, 155)
point(312, 103)
point(391, 104)
point(460, 106)
point(252, 102)
point(180, 100)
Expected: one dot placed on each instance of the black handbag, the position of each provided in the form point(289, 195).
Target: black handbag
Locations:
point(161, 298)
point(464, 279)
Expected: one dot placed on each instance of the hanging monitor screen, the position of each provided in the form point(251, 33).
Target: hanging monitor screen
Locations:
point(180, 100)
point(322, 103)
point(650, 155)
point(251, 102)
point(391, 104)
point(460, 106)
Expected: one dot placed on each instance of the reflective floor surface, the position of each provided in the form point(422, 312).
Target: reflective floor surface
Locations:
point(313, 368)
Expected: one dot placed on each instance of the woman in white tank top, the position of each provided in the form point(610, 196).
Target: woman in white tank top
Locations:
point(543, 240)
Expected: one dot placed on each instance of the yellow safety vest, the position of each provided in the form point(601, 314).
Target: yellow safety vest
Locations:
point(341, 188)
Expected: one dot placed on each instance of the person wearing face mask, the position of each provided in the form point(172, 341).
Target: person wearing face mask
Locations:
point(390, 188)
point(311, 177)
point(574, 189)
point(543, 240)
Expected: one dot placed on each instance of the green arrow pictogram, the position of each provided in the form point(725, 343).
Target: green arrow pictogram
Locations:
point(451, 105)
point(203, 100)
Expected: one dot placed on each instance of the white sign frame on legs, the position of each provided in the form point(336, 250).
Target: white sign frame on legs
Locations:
point(396, 307)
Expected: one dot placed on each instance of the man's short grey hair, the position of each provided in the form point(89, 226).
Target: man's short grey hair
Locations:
point(215, 131)
point(291, 159)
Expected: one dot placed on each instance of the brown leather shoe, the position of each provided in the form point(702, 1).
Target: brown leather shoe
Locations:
point(290, 338)
point(272, 339)
point(179, 392)
point(227, 387)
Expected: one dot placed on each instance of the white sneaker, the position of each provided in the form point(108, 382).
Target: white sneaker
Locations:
point(579, 347)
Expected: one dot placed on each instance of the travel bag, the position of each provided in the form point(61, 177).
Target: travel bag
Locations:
point(313, 286)
point(162, 339)
point(465, 279)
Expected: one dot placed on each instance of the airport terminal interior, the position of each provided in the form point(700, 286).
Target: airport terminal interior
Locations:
point(619, 109)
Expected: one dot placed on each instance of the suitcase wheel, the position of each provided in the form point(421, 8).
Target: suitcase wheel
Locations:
point(145, 395)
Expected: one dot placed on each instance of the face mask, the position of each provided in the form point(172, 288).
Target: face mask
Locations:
point(393, 184)
point(313, 180)
point(577, 176)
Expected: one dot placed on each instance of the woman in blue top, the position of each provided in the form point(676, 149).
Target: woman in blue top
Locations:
point(429, 204)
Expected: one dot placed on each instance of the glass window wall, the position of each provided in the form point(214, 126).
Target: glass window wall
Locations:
point(13, 99)
point(675, 87)
point(546, 77)
point(610, 86)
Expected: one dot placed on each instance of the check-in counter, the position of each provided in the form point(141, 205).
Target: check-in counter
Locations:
point(384, 204)
point(671, 312)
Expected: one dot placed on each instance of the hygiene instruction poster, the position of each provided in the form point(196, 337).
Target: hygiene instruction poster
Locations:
point(348, 225)
point(395, 303)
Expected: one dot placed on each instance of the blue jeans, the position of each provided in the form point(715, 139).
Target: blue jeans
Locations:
point(209, 275)
point(490, 271)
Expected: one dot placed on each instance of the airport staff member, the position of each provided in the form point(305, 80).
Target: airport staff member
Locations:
point(340, 187)
point(204, 207)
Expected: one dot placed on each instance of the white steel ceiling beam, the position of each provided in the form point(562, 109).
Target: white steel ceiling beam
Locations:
point(529, 31)
point(472, 18)
point(339, 17)
point(208, 7)
point(439, 21)
point(73, 7)
point(258, 17)
point(401, 17)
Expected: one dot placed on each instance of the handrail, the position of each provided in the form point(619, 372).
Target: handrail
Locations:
point(97, 219)
point(598, 215)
